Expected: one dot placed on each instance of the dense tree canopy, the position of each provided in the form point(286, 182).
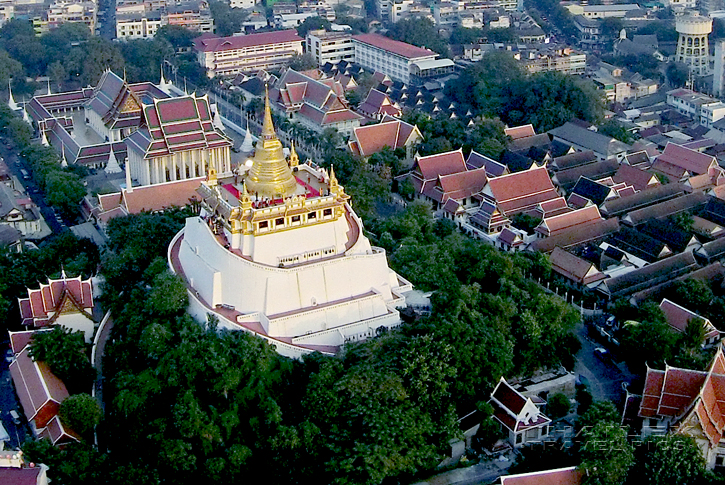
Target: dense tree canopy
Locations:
point(66, 354)
point(81, 413)
point(497, 87)
point(421, 32)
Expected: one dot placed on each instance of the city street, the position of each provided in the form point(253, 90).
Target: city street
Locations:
point(15, 164)
point(9, 402)
point(605, 379)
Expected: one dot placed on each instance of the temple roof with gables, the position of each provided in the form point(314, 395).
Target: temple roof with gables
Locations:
point(692, 400)
point(115, 102)
point(64, 295)
point(177, 125)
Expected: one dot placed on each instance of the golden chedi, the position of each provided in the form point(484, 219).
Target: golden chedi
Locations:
point(270, 175)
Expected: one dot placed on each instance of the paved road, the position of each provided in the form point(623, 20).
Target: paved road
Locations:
point(605, 379)
point(8, 402)
point(15, 163)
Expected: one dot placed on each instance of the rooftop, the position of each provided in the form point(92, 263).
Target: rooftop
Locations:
point(394, 46)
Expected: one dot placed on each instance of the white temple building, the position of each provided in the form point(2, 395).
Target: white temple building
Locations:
point(278, 251)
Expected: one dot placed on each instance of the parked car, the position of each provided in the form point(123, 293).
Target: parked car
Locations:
point(603, 354)
point(15, 417)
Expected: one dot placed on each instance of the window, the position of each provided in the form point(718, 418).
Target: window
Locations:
point(295, 218)
point(327, 212)
point(519, 437)
point(263, 225)
point(279, 222)
point(312, 216)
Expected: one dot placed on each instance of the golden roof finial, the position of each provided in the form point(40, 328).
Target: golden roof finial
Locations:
point(267, 128)
point(333, 179)
point(245, 200)
point(294, 160)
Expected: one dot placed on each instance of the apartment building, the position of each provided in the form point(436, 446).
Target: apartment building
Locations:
point(602, 11)
point(563, 60)
point(7, 11)
point(63, 11)
point(138, 25)
point(226, 56)
point(705, 109)
point(330, 47)
point(142, 19)
point(194, 16)
point(402, 62)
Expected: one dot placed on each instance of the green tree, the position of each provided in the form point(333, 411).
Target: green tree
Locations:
point(179, 37)
point(598, 412)
point(65, 353)
point(302, 62)
point(677, 74)
point(65, 191)
point(672, 458)
point(693, 294)
point(525, 222)
point(606, 455)
point(313, 23)
point(557, 406)
point(228, 21)
point(168, 295)
point(421, 32)
point(9, 68)
point(612, 26)
point(81, 413)
point(616, 130)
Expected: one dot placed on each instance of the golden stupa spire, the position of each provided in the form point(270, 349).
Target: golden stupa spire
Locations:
point(294, 160)
point(270, 175)
point(267, 128)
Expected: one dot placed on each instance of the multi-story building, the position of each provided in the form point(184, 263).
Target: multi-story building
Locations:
point(225, 56)
point(194, 16)
point(138, 25)
point(700, 107)
point(403, 62)
point(330, 47)
point(564, 60)
point(7, 11)
point(63, 11)
point(141, 20)
point(242, 3)
point(679, 6)
point(383, 9)
point(602, 11)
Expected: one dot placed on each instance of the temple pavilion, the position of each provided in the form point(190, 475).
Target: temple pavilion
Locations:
point(278, 251)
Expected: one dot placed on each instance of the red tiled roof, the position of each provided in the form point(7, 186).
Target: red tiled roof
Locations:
point(560, 476)
point(520, 185)
point(510, 237)
point(396, 47)
point(58, 434)
point(508, 397)
point(19, 476)
point(517, 132)
point(373, 138)
point(569, 220)
point(459, 185)
point(574, 268)
point(36, 309)
point(216, 44)
point(678, 318)
point(636, 177)
point(161, 196)
point(432, 166)
point(690, 160)
point(37, 387)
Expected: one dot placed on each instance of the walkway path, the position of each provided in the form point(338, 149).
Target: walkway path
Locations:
point(99, 347)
